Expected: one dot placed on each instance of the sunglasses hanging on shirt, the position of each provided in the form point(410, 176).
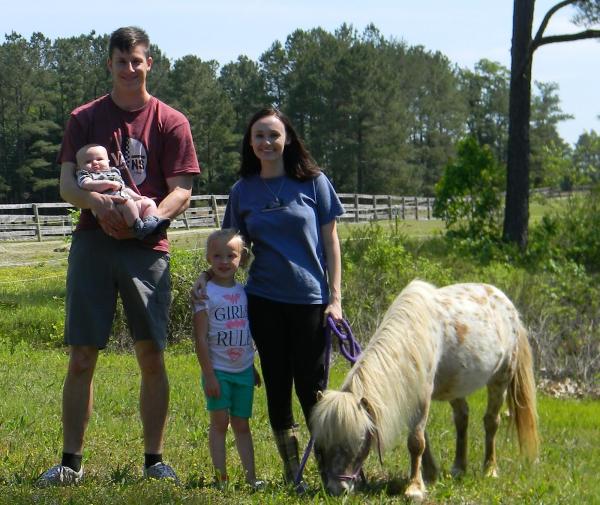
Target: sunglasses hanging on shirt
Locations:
point(277, 203)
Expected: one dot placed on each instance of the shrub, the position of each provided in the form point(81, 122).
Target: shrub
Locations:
point(185, 269)
point(572, 234)
point(564, 319)
point(558, 299)
point(376, 267)
point(468, 194)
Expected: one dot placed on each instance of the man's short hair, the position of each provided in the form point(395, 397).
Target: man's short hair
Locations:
point(126, 38)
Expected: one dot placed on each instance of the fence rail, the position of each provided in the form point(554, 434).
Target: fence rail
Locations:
point(36, 221)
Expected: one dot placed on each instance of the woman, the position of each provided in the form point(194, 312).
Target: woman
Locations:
point(286, 209)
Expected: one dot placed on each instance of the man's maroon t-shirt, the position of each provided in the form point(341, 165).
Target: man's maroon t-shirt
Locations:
point(155, 140)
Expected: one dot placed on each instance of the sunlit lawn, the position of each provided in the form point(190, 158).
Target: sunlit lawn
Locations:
point(32, 366)
point(30, 438)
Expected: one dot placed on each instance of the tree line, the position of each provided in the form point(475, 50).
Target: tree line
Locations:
point(379, 115)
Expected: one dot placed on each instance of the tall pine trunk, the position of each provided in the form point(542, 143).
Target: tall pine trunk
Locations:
point(516, 213)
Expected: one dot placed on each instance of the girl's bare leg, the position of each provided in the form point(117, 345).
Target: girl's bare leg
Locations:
point(219, 421)
point(245, 447)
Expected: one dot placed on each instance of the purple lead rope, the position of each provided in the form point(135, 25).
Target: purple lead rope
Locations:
point(349, 347)
point(351, 350)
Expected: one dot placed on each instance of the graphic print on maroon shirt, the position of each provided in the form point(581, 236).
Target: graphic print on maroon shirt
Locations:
point(155, 141)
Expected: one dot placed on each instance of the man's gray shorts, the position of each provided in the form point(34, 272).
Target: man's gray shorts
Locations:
point(99, 268)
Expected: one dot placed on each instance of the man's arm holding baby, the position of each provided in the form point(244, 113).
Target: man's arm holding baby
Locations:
point(178, 199)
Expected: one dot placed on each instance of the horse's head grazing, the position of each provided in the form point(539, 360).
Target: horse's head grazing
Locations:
point(343, 430)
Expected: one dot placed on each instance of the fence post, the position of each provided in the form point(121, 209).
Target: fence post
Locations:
point(416, 208)
point(389, 199)
point(403, 208)
point(185, 220)
point(375, 208)
point(215, 210)
point(38, 228)
point(356, 216)
point(428, 209)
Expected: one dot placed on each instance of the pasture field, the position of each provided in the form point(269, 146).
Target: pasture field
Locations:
point(14, 253)
point(32, 280)
point(33, 362)
point(30, 438)
point(55, 251)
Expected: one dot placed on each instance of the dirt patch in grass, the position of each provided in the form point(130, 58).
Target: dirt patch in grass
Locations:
point(26, 253)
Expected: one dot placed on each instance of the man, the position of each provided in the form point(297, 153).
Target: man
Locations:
point(157, 144)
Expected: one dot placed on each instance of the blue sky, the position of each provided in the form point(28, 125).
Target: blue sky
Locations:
point(464, 30)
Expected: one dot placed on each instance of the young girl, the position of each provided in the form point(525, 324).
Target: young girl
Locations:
point(225, 352)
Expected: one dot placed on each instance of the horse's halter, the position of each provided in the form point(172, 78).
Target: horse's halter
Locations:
point(353, 477)
point(364, 403)
point(358, 473)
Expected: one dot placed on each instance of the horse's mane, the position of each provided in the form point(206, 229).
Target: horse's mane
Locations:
point(391, 374)
point(338, 420)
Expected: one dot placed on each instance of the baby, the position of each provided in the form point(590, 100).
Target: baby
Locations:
point(95, 174)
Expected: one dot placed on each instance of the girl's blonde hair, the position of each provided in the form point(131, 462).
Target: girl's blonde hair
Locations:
point(226, 235)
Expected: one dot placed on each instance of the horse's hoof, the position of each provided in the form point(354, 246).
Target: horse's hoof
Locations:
point(491, 472)
point(414, 493)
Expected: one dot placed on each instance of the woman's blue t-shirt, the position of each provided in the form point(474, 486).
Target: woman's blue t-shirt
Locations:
point(281, 219)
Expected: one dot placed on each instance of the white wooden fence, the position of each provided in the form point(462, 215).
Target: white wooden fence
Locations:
point(381, 207)
point(36, 221)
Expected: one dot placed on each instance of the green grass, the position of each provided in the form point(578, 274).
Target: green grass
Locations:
point(30, 439)
point(540, 206)
point(410, 228)
point(32, 367)
point(32, 303)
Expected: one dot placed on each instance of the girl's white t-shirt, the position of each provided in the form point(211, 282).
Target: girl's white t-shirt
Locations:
point(230, 344)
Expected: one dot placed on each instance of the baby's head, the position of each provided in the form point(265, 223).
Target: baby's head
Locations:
point(226, 252)
point(92, 157)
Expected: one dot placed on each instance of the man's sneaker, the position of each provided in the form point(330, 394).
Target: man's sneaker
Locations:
point(59, 476)
point(160, 470)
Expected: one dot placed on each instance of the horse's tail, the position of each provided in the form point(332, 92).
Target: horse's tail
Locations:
point(521, 399)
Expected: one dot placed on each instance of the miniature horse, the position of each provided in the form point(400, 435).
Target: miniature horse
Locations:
point(440, 344)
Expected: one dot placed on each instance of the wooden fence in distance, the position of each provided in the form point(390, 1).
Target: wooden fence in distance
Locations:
point(36, 221)
point(360, 208)
point(31, 221)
